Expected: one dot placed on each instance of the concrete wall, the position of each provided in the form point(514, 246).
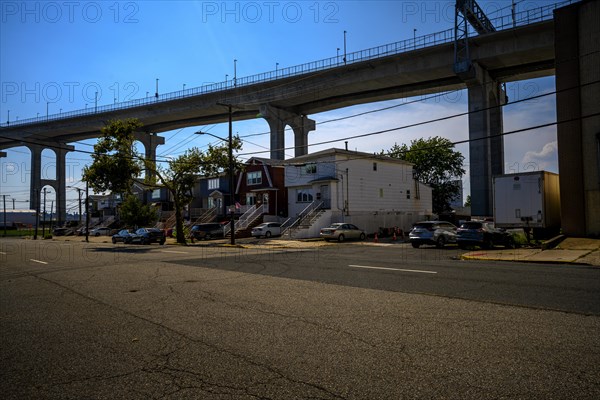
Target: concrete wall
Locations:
point(578, 96)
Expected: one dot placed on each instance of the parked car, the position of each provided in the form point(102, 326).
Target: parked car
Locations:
point(62, 232)
point(341, 231)
point(207, 231)
point(483, 234)
point(147, 236)
point(124, 235)
point(101, 231)
point(437, 233)
point(81, 231)
point(267, 229)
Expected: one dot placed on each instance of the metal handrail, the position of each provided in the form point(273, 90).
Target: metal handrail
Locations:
point(522, 18)
point(308, 210)
point(245, 219)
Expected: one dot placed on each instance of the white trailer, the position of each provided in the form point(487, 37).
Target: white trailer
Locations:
point(527, 200)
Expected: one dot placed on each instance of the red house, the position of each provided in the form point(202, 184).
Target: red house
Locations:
point(262, 183)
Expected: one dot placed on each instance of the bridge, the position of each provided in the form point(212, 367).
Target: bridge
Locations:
point(522, 47)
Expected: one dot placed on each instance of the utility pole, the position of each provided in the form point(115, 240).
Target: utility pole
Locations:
point(87, 211)
point(44, 217)
point(51, 216)
point(4, 201)
point(37, 214)
point(79, 190)
point(79, 194)
point(231, 178)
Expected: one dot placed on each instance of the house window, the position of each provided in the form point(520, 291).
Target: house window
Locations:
point(213, 183)
point(310, 169)
point(408, 194)
point(156, 194)
point(374, 166)
point(303, 196)
point(250, 199)
point(254, 178)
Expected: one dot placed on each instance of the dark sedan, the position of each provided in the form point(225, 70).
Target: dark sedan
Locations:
point(483, 234)
point(147, 236)
point(124, 235)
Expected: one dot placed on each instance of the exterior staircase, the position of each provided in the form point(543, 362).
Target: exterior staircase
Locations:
point(205, 216)
point(247, 221)
point(303, 221)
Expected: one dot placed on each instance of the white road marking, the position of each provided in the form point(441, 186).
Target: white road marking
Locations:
point(393, 269)
point(38, 261)
point(174, 252)
point(3, 253)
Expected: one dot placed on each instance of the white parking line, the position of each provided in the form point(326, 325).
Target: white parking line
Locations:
point(3, 253)
point(38, 261)
point(393, 269)
point(174, 252)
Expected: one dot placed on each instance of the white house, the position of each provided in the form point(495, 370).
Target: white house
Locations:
point(368, 190)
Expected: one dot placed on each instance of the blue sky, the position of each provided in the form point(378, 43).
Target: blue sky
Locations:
point(54, 56)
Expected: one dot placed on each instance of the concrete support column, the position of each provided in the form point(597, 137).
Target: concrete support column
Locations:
point(486, 149)
point(60, 186)
point(150, 141)
point(301, 126)
point(35, 181)
point(277, 120)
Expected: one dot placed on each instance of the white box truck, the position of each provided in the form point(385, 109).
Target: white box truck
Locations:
point(528, 200)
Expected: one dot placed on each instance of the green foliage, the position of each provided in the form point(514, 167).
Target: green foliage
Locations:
point(468, 201)
point(114, 162)
point(435, 164)
point(134, 213)
point(116, 166)
point(216, 159)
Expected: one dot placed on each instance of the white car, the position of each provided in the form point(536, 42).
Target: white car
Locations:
point(267, 229)
point(102, 231)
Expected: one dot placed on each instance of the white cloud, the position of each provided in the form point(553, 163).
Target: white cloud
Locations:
point(545, 159)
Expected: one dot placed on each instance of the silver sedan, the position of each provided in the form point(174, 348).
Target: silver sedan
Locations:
point(341, 231)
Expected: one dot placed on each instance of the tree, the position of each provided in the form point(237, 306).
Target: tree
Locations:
point(114, 162)
point(468, 201)
point(116, 146)
point(134, 213)
point(435, 164)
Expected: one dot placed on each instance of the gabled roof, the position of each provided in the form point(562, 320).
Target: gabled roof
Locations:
point(347, 154)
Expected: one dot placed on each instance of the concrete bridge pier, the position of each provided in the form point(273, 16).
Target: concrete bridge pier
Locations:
point(59, 184)
point(486, 147)
point(278, 119)
point(150, 141)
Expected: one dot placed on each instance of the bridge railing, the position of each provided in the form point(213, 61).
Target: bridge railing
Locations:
point(500, 23)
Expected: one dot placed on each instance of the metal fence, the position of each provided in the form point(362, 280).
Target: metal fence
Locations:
point(501, 23)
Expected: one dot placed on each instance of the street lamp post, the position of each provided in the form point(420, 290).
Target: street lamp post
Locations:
point(96, 102)
point(415, 38)
point(156, 94)
point(344, 47)
point(234, 74)
point(231, 172)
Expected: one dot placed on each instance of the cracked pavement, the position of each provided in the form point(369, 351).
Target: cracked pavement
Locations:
point(145, 327)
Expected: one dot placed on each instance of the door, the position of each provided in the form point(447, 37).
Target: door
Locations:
point(325, 196)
